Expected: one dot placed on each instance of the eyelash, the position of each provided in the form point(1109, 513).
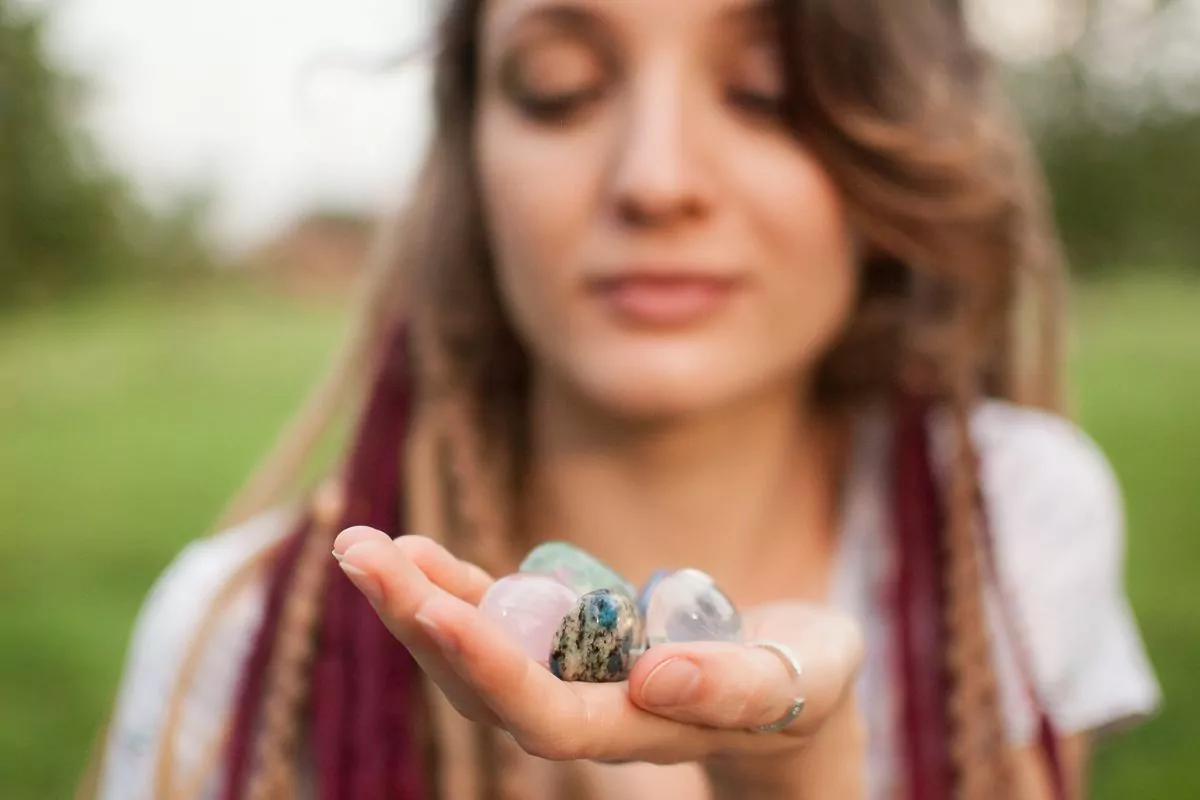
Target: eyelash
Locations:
point(558, 107)
point(758, 104)
point(551, 108)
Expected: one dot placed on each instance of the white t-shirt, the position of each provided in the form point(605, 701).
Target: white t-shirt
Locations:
point(1058, 531)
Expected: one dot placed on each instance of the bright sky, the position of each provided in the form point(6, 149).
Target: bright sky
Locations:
point(211, 92)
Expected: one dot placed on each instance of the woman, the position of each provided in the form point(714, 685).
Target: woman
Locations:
point(764, 289)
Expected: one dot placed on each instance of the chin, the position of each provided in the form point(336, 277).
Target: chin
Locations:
point(654, 402)
point(647, 386)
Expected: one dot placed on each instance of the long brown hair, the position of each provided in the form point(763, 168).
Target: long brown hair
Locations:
point(960, 296)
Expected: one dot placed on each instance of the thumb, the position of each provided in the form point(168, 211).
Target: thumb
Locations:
point(799, 653)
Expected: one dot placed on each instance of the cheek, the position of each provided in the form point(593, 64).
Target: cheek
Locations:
point(535, 192)
point(798, 218)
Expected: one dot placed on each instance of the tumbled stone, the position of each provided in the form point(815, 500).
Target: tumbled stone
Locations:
point(599, 639)
point(577, 569)
point(687, 606)
point(530, 609)
point(644, 595)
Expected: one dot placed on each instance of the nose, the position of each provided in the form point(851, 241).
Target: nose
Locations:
point(659, 178)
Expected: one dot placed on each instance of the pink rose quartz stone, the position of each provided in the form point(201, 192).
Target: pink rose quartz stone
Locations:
point(530, 608)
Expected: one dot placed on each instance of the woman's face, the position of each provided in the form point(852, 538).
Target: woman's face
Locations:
point(662, 244)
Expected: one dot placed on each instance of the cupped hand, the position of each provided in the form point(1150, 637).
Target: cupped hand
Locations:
point(693, 702)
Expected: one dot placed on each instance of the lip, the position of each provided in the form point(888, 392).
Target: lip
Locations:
point(664, 296)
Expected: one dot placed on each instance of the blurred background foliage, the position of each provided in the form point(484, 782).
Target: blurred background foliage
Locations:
point(132, 403)
point(1115, 116)
point(67, 221)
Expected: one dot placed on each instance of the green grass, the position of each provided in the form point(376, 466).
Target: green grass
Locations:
point(126, 421)
point(125, 424)
point(1137, 369)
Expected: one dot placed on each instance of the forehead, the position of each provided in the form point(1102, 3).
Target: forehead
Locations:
point(660, 16)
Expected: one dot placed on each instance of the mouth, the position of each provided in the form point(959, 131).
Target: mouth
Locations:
point(664, 298)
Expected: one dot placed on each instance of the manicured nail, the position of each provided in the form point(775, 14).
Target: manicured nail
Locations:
point(674, 682)
point(365, 583)
point(434, 631)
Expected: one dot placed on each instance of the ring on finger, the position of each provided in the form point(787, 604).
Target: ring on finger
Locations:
point(793, 665)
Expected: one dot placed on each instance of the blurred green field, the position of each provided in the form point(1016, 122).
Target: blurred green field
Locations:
point(126, 422)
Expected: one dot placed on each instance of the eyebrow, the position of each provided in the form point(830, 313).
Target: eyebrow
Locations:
point(583, 21)
point(758, 14)
point(571, 17)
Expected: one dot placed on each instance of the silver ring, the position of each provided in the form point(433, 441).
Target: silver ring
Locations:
point(793, 664)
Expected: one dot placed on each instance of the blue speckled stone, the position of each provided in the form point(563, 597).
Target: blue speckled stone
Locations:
point(576, 568)
point(599, 639)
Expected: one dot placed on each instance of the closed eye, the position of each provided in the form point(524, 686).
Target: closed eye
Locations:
point(755, 79)
point(557, 67)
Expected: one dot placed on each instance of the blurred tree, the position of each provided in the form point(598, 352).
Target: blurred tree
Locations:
point(66, 220)
point(1117, 118)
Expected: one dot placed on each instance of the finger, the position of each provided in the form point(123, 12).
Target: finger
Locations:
point(727, 686)
point(734, 686)
point(524, 695)
point(559, 721)
point(460, 578)
point(396, 588)
point(352, 536)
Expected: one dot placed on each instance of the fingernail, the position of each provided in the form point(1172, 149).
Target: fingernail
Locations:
point(365, 583)
point(338, 556)
point(434, 632)
point(672, 683)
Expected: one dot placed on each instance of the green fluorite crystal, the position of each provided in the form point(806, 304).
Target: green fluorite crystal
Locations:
point(576, 568)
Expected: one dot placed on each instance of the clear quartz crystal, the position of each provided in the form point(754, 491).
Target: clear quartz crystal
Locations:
point(687, 606)
point(643, 597)
point(530, 609)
